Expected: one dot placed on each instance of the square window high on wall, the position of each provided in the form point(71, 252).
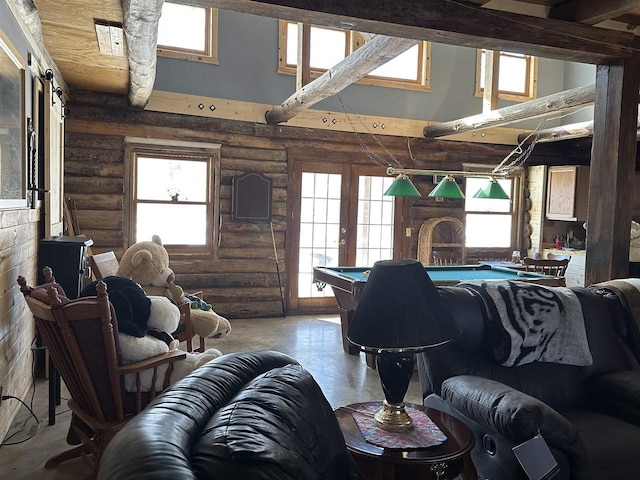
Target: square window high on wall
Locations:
point(329, 46)
point(517, 78)
point(173, 193)
point(188, 32)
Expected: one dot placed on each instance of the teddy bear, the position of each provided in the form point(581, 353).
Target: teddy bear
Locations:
point(144, 326)
point(147, 263)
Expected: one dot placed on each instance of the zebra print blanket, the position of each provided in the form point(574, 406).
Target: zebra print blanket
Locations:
point(533, 323)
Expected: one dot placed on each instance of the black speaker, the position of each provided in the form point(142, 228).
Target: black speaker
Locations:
point(67, 256)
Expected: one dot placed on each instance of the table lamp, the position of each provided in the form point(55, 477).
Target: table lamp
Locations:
point(400, 313)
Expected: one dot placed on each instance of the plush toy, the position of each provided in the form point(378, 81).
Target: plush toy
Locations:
point(146, 333)
point(147, 263)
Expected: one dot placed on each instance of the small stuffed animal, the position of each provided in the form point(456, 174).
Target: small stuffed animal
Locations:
point(147, 263)
point(131, 304)
point(164, 317)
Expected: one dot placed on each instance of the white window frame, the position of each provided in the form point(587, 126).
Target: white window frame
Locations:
point(209, 54)
point(531, 79)
point(355, 40)
point(162, 148)
point(513, 213)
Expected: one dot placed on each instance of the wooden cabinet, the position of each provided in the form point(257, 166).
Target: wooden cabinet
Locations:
point(567, 193)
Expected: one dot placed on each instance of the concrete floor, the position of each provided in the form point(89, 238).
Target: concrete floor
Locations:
point(312, 340)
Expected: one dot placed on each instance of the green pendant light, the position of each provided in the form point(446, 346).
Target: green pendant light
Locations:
point(402, 187)
point(492, 190)
point(447, 188)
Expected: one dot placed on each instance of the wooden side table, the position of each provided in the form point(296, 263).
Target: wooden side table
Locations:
point(441, 462)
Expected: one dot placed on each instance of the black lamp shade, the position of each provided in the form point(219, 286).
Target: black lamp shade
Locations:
point(400, 310)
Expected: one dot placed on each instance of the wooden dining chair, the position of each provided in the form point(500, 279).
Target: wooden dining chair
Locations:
point(81, 337)
point(106, 264)
point(446, 257)
point(555, 268)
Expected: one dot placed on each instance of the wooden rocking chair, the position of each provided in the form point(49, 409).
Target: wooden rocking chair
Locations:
point(81, 336)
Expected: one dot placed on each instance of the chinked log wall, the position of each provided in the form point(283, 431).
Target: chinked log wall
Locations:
point(241, 280)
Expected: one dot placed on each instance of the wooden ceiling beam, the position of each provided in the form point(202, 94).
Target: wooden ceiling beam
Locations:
point(563, 132)
point(454, 23)
point(141, 19)
point(592, 12)
point(367, 58)
point(557, 102)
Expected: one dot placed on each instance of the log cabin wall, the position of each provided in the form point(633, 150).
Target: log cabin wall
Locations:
point(18, 256)
point(240, 280)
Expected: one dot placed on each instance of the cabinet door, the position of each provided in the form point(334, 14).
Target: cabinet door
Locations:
point(567, 193)
point(561, 186)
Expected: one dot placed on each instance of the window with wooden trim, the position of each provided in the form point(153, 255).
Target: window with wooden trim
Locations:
point(329, 46)
point(174, 189)
point(188, 32)
point(517, 78)
point(489, 223)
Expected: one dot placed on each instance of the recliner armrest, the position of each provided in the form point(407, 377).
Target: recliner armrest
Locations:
point(509, 412)
point(617, 394)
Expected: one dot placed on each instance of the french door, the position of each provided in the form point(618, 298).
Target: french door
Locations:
point(340, 217)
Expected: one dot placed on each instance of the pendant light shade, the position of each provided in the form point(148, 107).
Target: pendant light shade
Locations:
point(402, 187)
point(492, 190)
point(447, 188)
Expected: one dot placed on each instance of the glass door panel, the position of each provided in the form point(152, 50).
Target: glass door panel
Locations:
point(340, 217)
point(319, 240)
point(374, 223)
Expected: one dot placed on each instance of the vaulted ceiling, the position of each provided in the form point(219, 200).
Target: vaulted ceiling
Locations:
point(591, 31)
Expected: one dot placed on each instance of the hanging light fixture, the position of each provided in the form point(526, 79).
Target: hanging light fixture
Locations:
point(402, 186)
point(447, 188)
point(492, 190)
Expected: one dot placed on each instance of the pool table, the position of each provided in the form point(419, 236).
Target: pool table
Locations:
point(347, 284)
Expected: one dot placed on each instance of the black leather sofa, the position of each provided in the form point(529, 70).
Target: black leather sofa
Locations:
point(588, 415)
point(250, 415)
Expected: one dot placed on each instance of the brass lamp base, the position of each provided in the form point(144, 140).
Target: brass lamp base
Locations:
point(393, 417)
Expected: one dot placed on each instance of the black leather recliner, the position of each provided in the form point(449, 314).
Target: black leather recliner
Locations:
point(248, 415)
point(589, 416)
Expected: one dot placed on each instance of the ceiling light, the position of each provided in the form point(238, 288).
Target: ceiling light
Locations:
point(492, 190)
point(402, 186)
point(447, 188)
